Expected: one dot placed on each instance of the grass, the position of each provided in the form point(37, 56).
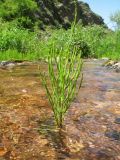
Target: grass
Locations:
point(13, 54)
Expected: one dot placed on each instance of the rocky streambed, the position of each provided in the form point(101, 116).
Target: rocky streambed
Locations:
point(92, 124)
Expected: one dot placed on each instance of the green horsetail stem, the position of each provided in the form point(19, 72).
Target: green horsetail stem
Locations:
point(64, 71)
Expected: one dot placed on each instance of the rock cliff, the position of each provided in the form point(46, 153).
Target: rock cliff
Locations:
point(61, 13)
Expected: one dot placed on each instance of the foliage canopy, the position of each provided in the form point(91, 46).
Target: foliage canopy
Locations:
point(116, 18)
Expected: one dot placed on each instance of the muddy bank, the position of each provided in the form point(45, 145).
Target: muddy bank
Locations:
point(92, 124)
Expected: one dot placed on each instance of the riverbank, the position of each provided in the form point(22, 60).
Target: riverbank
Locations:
point(109, 64)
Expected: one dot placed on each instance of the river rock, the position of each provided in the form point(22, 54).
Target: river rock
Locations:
point(109, 63)
point(117, 120)
point(116, 66)
point(11, 64)
point(112, 65)
point(113, 134)
point(7, 65)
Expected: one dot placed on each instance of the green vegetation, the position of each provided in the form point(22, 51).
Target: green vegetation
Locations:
point(21, 12)
point(21, 37)
point(92, 41)
point(63, 80)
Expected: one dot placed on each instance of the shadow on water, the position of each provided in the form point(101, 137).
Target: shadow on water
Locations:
point(55, 136)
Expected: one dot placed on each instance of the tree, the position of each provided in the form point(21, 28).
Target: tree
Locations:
point(116, 18)
point(20, 11)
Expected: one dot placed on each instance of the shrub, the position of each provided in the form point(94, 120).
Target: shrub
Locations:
point(82, 48)
point(12, 37)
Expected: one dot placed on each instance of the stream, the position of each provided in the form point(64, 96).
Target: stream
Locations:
point(91, 128)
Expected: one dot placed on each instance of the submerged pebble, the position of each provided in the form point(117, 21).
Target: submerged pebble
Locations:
point(117, 120)
point(113, 134)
